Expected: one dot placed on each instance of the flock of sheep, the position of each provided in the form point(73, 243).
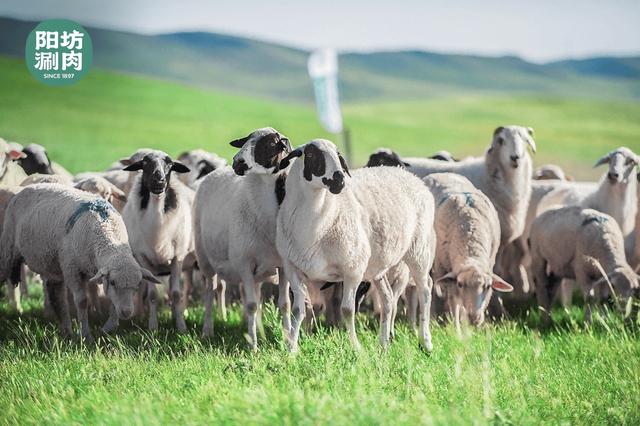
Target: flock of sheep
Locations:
point(437, 237)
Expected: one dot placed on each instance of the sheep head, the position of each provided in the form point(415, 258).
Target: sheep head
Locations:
point(156, 169)
point(322, 166)
point(260, 152)
point(510, 143)
point(386, 157)
point(622, 162)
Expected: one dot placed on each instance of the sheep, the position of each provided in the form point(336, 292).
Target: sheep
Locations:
point(235, 224)
point(158, 218)
point(615, 194)
point(104, 189)
point(36, 160)
point(334, 227)
point(201, 164)
point(13, 292)
point(468, 236)
point(42, 178)
point(503, 175)
point(582, 244)
point(387, 157)
point(67, 235)
point(11, 174)
point(550, 172)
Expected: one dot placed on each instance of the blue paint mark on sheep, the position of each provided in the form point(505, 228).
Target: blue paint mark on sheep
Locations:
point(99, 206)
point(468, 198)
point(594, 218)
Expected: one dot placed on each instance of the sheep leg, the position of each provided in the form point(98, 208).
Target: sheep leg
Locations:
point(112, 321)
point(78, 289)
point(258, 292)
point(412, 306)
point(222, 302)
point(56, 293)
point(566, 292)
point(209, 288)
point(424, 285)
point(13, 294)
point(250, 307)
point(177, 305)
point(187, 276)
point(24, 287)
point(284, 304)
point(386, 304)
point(348, 308)
point(152, 295)
point(299, 296)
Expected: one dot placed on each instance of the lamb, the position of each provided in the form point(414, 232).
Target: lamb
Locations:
point(11, 174)
point(104, 189)
point(334, 227)
point(468, 237)
point(201, 164)
point(70, 236)
point(615, 194)
point(158, 218)
point(582, 244)
point(550, 172)
point(235, 239)
point(503, 175)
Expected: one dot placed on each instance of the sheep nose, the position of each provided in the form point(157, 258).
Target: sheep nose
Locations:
point(240, 166)
point(125, 313)
point(614, 175)
point(336, 183)
point(515, 157)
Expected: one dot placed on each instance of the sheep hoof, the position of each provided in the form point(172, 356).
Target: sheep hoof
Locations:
point(181, 327)
point(207, 332)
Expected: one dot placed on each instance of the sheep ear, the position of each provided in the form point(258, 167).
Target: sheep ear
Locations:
point(450, 276)
point(603, 160)
point(178, 167)
point(497, 130)
point(343, 164)
point(284, 163)
point(530, 131)
point(531, 143)
point(15, 154)
point(134, 167)
point(287, 145)
point(99, 276)
point(239, 143)
point(147, 275)
point(498, 284)
point(406, 164)
point(118, 193)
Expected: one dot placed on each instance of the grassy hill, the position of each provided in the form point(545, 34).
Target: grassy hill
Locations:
point(107, 115)
point(255, 68)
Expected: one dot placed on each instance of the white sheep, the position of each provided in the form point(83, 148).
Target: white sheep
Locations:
point(43, 178)
point(334, 227)
point(503, 174)
point(581, 244)
point(67, 235)
point(11, 174)
point(13, 292)
point(615, 194)
point(201, 164)
point(104, 189)
point(158, 218)
point(550, 172)
point(235, 224)
point(468, 237)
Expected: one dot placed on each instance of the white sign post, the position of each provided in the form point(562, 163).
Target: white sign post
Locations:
point(323, 69)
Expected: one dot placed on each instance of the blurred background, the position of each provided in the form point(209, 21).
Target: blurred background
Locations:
point(414, 76)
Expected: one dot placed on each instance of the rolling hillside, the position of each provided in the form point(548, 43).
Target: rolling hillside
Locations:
point(246, 66)
point(107, 115)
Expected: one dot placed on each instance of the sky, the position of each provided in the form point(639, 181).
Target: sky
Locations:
point(538, 30)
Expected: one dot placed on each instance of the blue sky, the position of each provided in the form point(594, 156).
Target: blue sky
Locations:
point(539, 30)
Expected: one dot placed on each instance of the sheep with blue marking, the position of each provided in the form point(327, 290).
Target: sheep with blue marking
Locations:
point(72, 239)
point(584, 245)
point(468, 237)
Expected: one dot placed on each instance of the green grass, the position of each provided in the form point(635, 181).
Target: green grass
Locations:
point(106, 116)
point(514, 372)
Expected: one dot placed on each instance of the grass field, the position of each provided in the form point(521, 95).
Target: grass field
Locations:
point(511, 373)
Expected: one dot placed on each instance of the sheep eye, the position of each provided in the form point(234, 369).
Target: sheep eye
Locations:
point(501, 141)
